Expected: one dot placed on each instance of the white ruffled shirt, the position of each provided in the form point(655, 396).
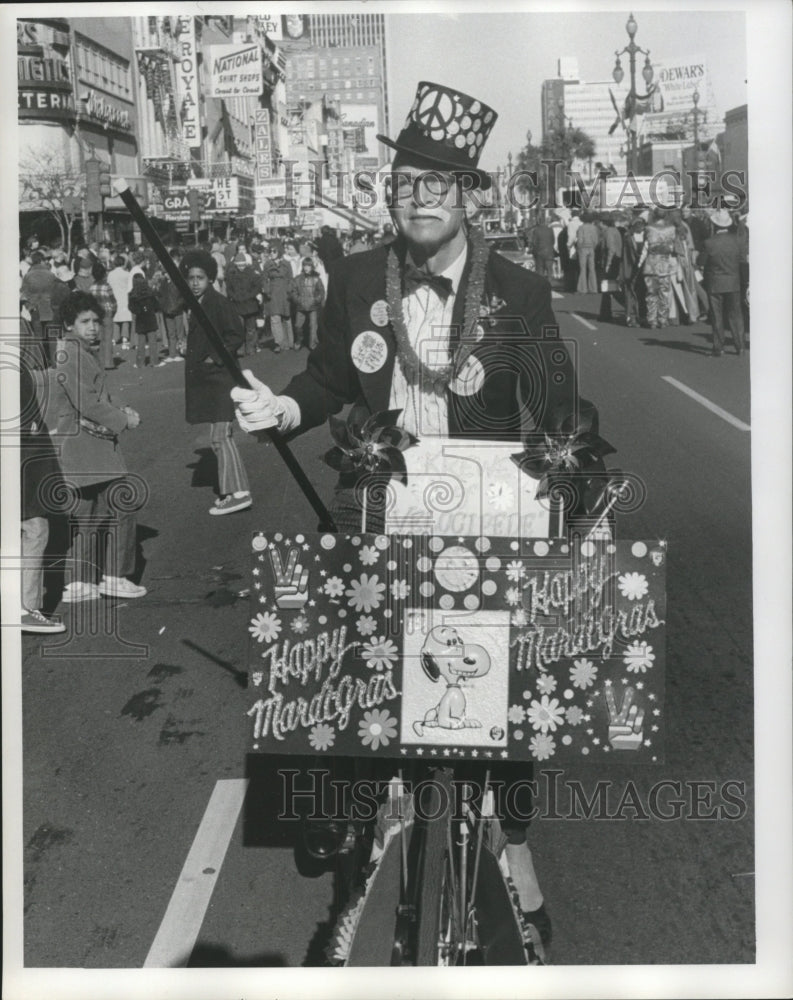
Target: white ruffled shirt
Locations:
point(428, 318)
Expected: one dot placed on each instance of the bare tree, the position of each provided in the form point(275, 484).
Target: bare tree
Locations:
point(47, 183)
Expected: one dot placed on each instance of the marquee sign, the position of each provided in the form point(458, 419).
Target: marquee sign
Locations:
point(456, 647)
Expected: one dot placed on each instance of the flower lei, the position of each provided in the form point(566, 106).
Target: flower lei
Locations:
point(412, 366)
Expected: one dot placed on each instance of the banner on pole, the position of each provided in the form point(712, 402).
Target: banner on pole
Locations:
point(457, 647)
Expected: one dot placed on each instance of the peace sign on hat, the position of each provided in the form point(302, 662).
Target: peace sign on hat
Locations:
point(446, 128)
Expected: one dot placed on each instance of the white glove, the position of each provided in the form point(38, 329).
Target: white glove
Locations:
point(259, 408)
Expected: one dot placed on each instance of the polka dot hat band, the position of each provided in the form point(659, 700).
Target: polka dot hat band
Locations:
point(446, 127)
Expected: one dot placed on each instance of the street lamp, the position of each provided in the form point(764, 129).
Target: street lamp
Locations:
point(695, 99)
point(618, 74)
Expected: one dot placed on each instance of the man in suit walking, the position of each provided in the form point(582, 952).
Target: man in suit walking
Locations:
point(723, 256)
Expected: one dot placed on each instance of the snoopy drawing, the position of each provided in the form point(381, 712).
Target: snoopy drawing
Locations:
point(444, 654)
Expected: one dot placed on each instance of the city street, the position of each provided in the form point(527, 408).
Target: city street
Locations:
point(135, 742)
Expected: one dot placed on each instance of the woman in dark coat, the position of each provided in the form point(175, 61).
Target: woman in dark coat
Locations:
point(277, 280)
point(244, 288)
point(208, 384)
point(143, 305)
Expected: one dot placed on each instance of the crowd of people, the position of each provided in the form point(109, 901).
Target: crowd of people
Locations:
point(665, 267)
point(277, 287)
point(260, 294)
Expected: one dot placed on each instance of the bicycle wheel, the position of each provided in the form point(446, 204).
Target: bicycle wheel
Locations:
point(466, 914)
point(436, 937)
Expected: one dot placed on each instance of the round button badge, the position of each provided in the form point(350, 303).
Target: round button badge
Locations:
point(379, 313)
point(470, 378)
point(369, 351)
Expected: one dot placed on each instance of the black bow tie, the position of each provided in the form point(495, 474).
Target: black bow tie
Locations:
point(414, 277)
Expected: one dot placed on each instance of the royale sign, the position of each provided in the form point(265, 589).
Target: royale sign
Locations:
point(188, 73)
point(457, 647)
point(235, 71)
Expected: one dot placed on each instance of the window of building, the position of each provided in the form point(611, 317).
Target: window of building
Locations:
point(103, 69)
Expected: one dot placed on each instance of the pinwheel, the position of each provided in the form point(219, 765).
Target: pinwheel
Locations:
point(569, 460)
point(369, 444)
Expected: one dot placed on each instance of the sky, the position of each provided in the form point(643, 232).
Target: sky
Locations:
point(502, 58)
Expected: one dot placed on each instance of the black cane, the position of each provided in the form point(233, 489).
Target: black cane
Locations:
point(229, 361)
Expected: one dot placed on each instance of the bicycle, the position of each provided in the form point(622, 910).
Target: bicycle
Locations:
point(437, 890)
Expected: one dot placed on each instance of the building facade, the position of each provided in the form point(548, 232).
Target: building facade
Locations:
point(233, 107)
point(735, 141)
point(596, 107)
point(568, 101)
point(76, 104)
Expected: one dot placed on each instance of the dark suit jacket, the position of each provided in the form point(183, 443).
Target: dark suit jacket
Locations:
point(527, 368)
point(721, 261)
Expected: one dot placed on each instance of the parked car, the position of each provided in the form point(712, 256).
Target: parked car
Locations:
point(512, 248)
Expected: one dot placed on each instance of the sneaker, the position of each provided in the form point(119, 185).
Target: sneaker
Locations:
point(80, 591)
point(230, 504)
point(120, 586)
point(177, 358)
point(161, 364)
point(35, 621)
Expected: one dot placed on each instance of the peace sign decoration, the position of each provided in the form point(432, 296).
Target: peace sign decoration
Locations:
point(448, 128)
point(452, 118)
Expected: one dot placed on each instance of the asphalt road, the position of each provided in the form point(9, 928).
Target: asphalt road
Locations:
point(129, 738)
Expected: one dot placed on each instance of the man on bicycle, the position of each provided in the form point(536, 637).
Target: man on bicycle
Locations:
point(461, 340)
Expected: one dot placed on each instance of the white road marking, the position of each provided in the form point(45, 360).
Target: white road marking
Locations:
point(556, 295)
point(181, 924)
point(585, 322)
point(707, 404)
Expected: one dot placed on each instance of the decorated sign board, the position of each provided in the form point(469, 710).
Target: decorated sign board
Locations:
point(457, 647)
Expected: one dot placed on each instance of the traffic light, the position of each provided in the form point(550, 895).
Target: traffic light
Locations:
point(104, 180)
point(193, 203)
point(93, 195)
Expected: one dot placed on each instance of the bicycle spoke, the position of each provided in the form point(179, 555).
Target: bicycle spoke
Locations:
point(479, 837)
point(452, 880)
point(403, 838)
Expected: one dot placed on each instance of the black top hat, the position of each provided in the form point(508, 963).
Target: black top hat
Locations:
point(447, 128)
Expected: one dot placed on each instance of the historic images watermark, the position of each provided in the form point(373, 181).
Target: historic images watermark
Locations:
point(317, 796)
point(550, 186)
